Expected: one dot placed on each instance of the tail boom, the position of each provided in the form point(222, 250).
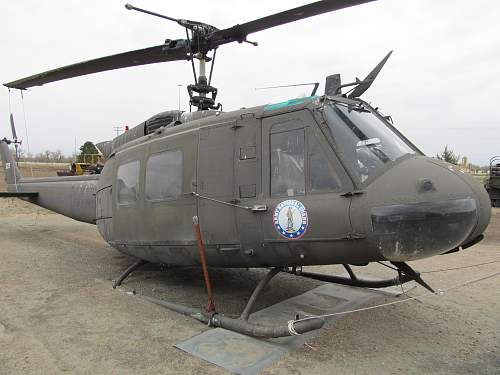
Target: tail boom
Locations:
point(72, 196)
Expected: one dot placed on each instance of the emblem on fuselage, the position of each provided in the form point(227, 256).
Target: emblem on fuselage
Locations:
point(290, 219)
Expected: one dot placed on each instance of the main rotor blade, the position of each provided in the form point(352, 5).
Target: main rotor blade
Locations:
point(174, 50)
point(239, 32)
point(13, 128)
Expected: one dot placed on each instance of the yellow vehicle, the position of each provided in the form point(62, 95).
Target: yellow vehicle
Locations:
point(91, 165)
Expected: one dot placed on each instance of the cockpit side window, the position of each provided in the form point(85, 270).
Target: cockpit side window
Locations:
point(287, 150)
point(127, 182)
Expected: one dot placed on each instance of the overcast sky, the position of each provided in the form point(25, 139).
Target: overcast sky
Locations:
point(441, 85)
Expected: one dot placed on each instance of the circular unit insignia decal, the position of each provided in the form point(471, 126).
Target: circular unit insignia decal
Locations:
point(290, 219)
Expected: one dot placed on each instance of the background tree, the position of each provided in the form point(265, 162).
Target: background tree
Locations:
point(88, 148)
point(448, 156)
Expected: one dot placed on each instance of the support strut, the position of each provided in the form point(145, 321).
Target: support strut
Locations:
point(203, 261)
point(405, 269)
point(253, 298)
point(128, 271)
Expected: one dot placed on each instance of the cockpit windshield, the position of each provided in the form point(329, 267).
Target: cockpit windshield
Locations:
point(364, 141)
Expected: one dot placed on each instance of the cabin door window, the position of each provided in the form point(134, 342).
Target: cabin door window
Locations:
point(164, 176)
point(127, 182)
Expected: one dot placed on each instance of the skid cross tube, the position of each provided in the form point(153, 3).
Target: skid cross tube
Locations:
point(253, 298)
point(128, 271)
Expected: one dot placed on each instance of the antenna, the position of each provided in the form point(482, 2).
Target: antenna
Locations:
point(316, 84)
point(117, 129)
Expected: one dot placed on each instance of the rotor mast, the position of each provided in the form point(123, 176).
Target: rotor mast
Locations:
point(198, 48)
point(202, 86)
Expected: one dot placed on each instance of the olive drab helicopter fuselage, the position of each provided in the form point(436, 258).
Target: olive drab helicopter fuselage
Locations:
point(310, 181)
point(352, 177)
point(234, 170)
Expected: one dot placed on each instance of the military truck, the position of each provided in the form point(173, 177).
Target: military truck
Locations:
point(493, 184)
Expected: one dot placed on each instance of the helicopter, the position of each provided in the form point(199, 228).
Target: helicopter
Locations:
point(317, 180)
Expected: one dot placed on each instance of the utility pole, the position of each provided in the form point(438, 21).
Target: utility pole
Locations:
point(179, 89)
point(117, 130)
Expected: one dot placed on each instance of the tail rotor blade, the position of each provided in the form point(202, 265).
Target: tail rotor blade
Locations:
point(13, 128)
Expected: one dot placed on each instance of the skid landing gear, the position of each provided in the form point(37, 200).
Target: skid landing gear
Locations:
point(241, 324)
point(128, 271)
point(405, 274)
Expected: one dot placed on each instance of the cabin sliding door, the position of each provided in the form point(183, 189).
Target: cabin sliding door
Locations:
point(216, 152)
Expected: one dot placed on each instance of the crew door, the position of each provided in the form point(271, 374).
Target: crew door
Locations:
point(304, 182)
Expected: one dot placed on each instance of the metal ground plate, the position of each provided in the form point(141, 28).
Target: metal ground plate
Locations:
point(246, 355)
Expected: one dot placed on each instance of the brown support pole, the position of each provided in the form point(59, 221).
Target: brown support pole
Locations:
point(201, 248)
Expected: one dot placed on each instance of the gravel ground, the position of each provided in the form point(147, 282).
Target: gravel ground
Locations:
point(58, 312)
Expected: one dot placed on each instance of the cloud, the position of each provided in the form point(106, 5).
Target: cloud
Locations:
point(440, 85)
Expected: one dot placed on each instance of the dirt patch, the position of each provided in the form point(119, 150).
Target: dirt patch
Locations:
point(58, 312)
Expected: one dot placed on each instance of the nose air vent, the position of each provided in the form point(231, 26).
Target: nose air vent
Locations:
point(425, 185)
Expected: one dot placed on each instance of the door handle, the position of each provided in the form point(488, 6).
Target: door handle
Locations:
point(254, 208)
point(259, 208)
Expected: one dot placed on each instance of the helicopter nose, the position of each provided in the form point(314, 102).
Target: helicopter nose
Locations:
point(422, 207)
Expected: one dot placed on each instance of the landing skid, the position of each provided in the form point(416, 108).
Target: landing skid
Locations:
point(243, 326)
point(405, 274)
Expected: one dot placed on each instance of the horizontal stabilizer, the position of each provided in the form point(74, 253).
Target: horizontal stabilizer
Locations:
point(16, 194)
